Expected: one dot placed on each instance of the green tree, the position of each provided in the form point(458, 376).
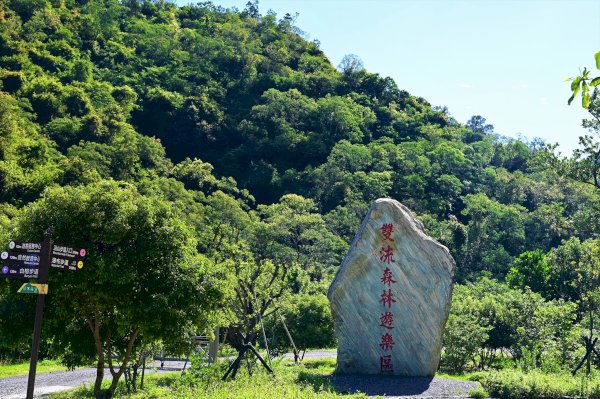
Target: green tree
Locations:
point(259, 288)
point(531, 269)
point(142, 278)
point(309, 322)
point(477, 124)
point(464, 334)
point(495, 233)
point(577, 266)
point(295, 233)
point(584, 166)
point(489, 318)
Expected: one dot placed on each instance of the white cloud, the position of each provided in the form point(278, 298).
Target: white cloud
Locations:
point(465, 86)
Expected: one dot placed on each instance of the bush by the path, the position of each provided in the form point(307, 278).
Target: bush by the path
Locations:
point(514, 384)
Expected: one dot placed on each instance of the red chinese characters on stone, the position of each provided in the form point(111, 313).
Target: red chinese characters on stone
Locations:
point(387, 277)
point(387, 342)
point(386, 254)
point(387, 229)
point(386, 320)
point(387, 298)
point(385, 363)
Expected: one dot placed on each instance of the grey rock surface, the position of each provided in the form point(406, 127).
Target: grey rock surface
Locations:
point(391, 297)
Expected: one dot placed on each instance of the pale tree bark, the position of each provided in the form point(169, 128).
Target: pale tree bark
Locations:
point(103, 358)
point(95, 325)
point(116, 375)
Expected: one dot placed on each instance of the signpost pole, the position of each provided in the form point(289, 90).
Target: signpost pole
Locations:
point(45, 258)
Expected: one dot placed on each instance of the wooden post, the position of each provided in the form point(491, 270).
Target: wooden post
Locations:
point(296, 352)
point(45, 258)
point(262, 328)
point(143, 368)
point(213, 347)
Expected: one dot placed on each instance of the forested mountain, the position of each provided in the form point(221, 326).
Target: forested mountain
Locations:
point(148, 92)
point(247, 132)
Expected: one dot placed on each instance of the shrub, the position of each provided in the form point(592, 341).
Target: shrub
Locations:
point(515, 384)
point(478, 393)
point(309, 321)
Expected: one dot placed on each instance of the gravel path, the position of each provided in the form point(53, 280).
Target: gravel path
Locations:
point(56, 381)
point(314, 355)
point(388, 386)
point(403, 387)
point(395, 387)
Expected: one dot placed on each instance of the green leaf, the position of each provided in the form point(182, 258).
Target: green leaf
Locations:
point(568, 79)
point(597, 57)
point(575, 84)
point(575, 91)
point(585, 101)
point(595, 82)
point(585, 96)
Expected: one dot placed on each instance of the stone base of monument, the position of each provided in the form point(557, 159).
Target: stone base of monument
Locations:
point(391, 297)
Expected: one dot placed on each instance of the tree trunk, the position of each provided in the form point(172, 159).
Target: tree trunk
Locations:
point(116, 375)
point(99, 378)
point(95, 327)
point(113, 386)
point(589, 360)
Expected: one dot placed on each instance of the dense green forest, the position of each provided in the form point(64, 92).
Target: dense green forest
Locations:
point(244, 161)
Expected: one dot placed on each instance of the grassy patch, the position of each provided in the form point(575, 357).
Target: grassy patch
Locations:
point(311, 380)
point(45, 366)
point(478, 393)
point(460, 377)
point(155, 386)
point(308, 380)
point(514, 384)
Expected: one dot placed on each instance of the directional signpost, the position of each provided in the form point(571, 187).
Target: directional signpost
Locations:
point(35, 289)
point(66, 258)
point(30, 260)
point(20, 265)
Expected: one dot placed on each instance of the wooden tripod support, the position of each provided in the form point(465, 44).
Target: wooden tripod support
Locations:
point(590, 348)
point(233, 369)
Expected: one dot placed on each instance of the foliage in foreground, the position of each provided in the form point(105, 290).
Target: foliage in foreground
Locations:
point(305, 381)
point(512, 384)
point(309, 380)
point(491, 323)
point(141, 258)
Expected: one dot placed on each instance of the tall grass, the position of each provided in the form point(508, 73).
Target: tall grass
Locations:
point(515, 384)
point(306, 381)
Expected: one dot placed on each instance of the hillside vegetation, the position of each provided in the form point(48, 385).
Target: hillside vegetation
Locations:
point(230, 135)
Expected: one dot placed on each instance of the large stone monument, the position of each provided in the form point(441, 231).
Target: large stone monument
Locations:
point(391, 298)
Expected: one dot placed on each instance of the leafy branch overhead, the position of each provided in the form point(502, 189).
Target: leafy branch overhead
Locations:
point(580, 83)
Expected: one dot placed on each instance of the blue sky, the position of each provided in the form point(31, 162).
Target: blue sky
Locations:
point(504, 60)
